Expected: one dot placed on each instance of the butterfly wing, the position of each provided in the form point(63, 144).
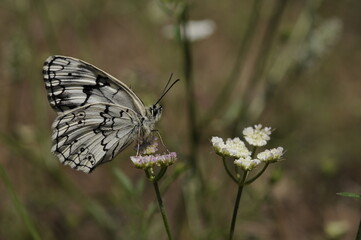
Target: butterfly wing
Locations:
point(73, 83)
point(88, 136)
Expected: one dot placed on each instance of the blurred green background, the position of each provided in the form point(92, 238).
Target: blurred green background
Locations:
point(292, 65)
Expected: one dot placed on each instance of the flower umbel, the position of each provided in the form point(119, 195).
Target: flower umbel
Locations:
point(272, 155)
point(257, 136)
point(231, 148)
point(246, 160)
point(148, 161)
point(247, 163)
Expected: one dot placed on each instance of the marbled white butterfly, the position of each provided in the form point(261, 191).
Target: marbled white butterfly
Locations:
point(98, 115)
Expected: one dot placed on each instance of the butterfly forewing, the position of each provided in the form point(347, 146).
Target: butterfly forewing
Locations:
point(73, 83)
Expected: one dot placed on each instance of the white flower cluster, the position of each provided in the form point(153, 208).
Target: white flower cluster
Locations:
point(237, 149)
point(247, 163)
point(257, 136)
point(231, 148)
point(272, 155)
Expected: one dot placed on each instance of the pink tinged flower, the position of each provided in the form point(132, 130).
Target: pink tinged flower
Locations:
point(257, 136)
point(148, 161)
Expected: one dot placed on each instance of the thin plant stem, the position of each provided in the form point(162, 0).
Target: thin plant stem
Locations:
point(262, 58)
point(225, 93)
point(160, 173)
point(162, 210)
point(258, 175)
point(236, 205)
point(227, 170)
point(189, 83)
point(281, 72)
point(21, 210)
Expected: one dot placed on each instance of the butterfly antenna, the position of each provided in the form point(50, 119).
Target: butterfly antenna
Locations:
point(170, 78)
point(167, 89)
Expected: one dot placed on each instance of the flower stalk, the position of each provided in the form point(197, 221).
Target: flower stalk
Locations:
point(241, 184)
point(155, 166)
point(162, 209)
point(258, 174)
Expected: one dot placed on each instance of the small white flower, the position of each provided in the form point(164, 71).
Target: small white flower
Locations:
point(257, 136)
point(217, 141)
point(148, 161)
point(272, 155)
point(232, 148)
point(247, 163)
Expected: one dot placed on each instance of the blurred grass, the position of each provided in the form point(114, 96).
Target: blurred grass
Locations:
point(292, 77)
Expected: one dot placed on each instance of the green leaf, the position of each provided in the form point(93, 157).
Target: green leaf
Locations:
point(123, 179)
point(349, 194)
point(139, 187)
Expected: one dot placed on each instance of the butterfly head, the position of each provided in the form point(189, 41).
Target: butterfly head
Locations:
point(155, 112)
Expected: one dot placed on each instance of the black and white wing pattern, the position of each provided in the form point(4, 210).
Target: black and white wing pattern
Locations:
point(98, 116)
point(88, 136)
point(73, 83)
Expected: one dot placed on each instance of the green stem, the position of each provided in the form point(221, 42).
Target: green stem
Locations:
point(162, 210)
point(226, 92)
point(21, 210)
point(236, 205)
point(149, 174)
point(261, 64)
point(189, 83)
point(160, 173)
point(258, 174)
point(227, 170)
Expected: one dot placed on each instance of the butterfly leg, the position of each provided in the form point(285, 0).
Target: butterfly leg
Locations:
point(160, 137)
point(138, 143)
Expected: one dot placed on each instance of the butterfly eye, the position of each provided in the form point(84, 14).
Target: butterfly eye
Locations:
point(154, 110)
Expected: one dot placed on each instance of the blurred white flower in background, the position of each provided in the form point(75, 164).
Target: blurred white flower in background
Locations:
point(195, 30)
point(321, 40)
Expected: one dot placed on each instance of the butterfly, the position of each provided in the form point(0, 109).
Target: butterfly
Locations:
point(98, 115)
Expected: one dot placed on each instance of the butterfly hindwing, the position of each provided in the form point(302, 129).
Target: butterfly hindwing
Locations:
point(73, 83)
point(88, 136)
